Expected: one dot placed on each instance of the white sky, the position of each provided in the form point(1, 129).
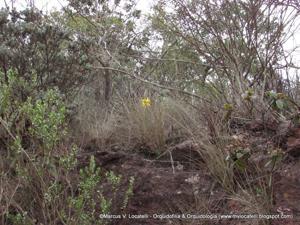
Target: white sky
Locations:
point(145, 6)
point(47, 5)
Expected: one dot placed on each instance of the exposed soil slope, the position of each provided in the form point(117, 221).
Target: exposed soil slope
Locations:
point(185, 187)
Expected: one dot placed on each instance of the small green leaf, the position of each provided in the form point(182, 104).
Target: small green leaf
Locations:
point(279, 104)
point(241, 164)
point(272, 94)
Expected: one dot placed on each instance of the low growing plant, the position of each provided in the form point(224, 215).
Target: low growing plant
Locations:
point(39, 180)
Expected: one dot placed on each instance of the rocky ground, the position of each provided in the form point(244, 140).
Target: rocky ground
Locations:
point(181, 184)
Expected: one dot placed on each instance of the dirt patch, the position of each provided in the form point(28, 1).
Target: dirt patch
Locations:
point(293, 142)
point(159, 188)
point(287, 192)
point(181, 184)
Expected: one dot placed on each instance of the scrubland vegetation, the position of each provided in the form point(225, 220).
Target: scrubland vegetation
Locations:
point(207, 87)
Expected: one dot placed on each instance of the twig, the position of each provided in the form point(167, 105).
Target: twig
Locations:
point(172, 162)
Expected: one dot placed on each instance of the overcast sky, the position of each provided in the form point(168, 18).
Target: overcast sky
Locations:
point(145, 6)
point(47, 5)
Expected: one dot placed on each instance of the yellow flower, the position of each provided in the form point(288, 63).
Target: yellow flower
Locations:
point(146, 102)
point(228, 107)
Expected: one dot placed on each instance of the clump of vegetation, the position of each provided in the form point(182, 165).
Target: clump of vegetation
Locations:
point(36, 175)
point(144, 123)
point(97, 76)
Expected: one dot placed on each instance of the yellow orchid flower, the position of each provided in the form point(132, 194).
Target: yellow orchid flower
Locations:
point(146, 102)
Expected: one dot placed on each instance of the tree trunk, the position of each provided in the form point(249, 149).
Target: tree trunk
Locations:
point(107, 86)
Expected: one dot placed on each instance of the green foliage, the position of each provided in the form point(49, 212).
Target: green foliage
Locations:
point(113, 179)
point(19, 219)
point(239, 159)
point(32, 41)
point(14, 91)
point(37, 164)
point(248, 95)
point(69, 161)
point(47, 116)
point(52, 193)
point(229, 110)
point(228, 107)
point(278, 101)
point(91, 197)
point(85, 204)
point(90, 177)
point(129, 192)
point(16, 146)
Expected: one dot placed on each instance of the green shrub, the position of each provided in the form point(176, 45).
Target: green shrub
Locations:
point(47, 187)
point(47, 117)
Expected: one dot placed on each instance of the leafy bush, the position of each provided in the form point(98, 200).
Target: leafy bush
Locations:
point(29, 36)
point(47, 116)
point(39, 173)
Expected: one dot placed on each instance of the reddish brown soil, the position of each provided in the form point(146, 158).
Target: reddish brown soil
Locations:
point(189, 188)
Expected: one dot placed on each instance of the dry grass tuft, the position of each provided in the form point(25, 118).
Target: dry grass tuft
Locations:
point(143, 126)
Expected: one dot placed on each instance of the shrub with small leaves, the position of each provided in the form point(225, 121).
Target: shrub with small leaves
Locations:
point(129, 192)
point(13, 94)
point(85, 204)
point(91, 196)
point(69, 161)
point(47, 116)
point(18, 219)
point(46, 177)
point(113, 179)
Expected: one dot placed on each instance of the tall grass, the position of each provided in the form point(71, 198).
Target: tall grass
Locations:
point(143, 126)
point(93, 123)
